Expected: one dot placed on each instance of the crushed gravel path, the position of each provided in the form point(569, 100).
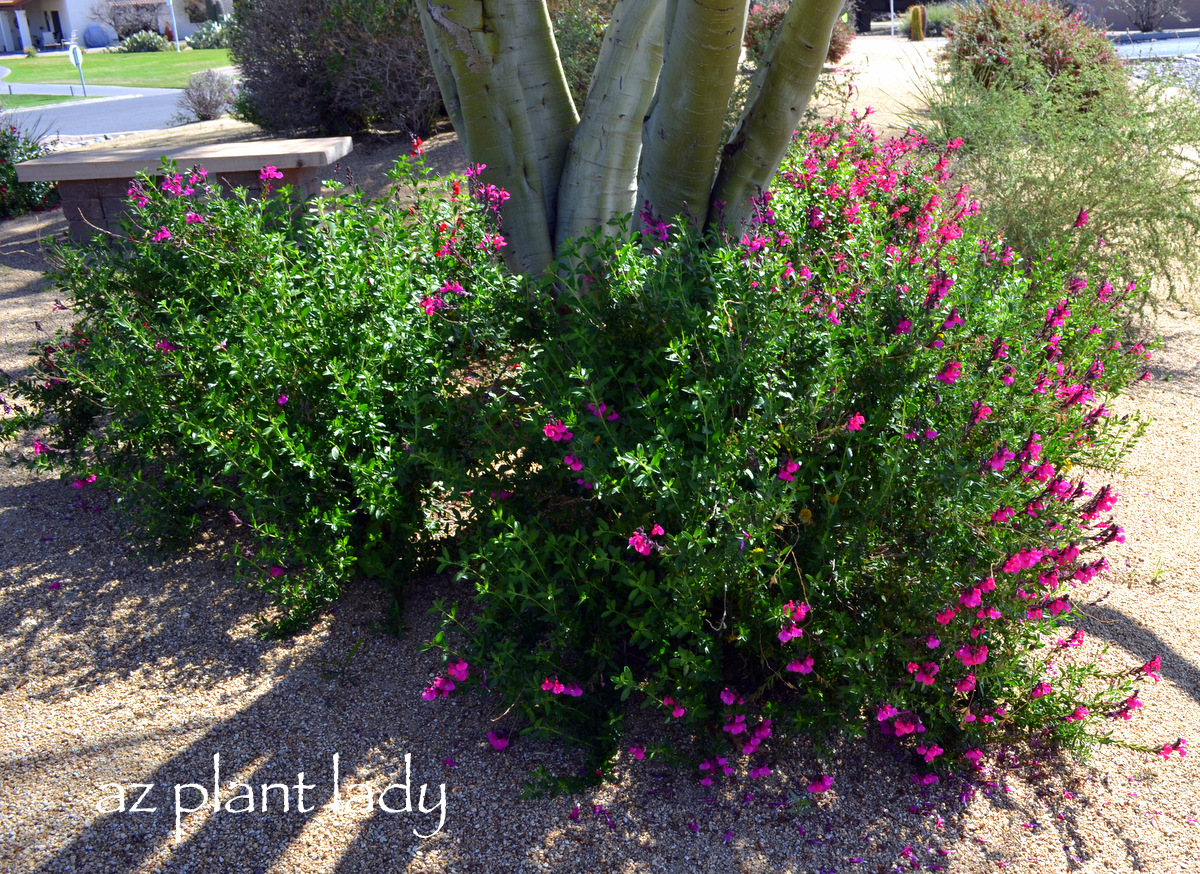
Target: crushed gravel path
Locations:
point(144, 671)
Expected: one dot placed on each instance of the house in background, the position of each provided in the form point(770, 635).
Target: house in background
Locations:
point(50, 23)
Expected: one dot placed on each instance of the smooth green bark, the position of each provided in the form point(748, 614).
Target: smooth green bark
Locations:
point(681, 136)
point(600, 178)
point(778, 97)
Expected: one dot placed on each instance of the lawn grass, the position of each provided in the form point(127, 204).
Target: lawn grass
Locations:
point(21, 101)
point(138, 69)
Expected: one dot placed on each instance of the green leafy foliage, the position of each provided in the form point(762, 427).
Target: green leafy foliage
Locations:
point(144, 41)
point(18, 198)
point(275, 367)
point(212, 34)
point(763, 21)
point(1052, 125)
point(579, 32)
point(822, 473)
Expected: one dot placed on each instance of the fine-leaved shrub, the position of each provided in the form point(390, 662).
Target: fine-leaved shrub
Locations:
point(825, 477)
point(764, 19)
point(828, 473)
point(145, 41)
point(208, 96)
point(336, 66)
point(17, 145)
point(1053, 126)
point(247, 361)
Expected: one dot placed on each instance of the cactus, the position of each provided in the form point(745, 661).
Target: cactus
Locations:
point(916, 23)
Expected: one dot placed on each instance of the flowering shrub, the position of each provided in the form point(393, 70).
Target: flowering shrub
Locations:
point(823, 472)
point(272, 367)
point(1032, 45)
point(1051, 124)
point(764, 19)
point(18, 198)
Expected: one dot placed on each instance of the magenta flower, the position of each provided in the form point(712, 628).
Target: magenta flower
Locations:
point(1151, 668)
point(966, 684)
point(1041, 690)
point(945, 616)
point(574, 814)
point(792, 631)
point(972, 655)
point(805, 666)
point(954, 320)
point(1003, 515)
point(904, 327)
point(459, 670)
point(761, 771)
point(951, 372)
point(657, 531)
point(972, 599)
point(641, 543)
point(728, 697)
point(498, 742)
point(638, 753)
point(886, 711)
point(55, 586)
point(161, 234)
point(282, 400)
point(603, 411)
point(194, 218)
point(821, 784)
point(572, 462)
point(1081, 221)
point(788, 470)
point(856, 422)
point(269, 172)
point(557, 431)
point(502, 495)
point(677, 710)
point(39, 447)
point(973, 756)
point(904, 725)
point(933, 642)
point(735, 726)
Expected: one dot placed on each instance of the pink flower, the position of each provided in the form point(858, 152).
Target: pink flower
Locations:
point(856, 422)
point(161, 234)
point(39, 447)
point(572, 462)
point(945, 616)
point(601, 411)
point(441, 688)
point(933, 642)
point(1151, 668)
point(788, 470)
point(1081, 220)
point(761, 771)
point(194, 218)
point(735, 726)
point(1080, 713)
point(903, 726)
point(728, 697)
point(972, 598)
point(966, 684)
point(951, 372)
point(972, 655)
point(459, 670)
point(269, 172)
point(557, 431)
point(801, 667)
point(1041, 690)
point(657, 531)
point(1003, 515)
point(821, 784)
point(497, 741)
point(886, 711)
point(904, 327)
point(638, 753)
point(973, 756)
point(954, 320)
point(282, 400)
point(276, 571)
point(789, 633)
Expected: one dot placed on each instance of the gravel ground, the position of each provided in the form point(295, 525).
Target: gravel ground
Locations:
point(144, 671)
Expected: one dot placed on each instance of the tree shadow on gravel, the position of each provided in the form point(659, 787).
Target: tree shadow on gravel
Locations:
point(1127, 632)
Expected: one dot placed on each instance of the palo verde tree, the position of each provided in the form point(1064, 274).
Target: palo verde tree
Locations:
point(649, 133)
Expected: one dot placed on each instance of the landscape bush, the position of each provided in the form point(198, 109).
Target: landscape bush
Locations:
point(245, 359)
point(334, 66)
point(144, 41)
point(824, 477)
point(17, 145)
point(208, 96)
point(1052, 125)
point(212, 35)
point(764, 19)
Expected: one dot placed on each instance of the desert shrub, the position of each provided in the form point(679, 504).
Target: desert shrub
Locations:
point(127, 17)
point(145, 41)
point(764, 19)
point(237, 359)
point(1148, 15)
point(17, 145)
point(579, 31)
point(819, 478)
point(336, 66)
point(208, 95)
point(1049, 134)
point(1031, 44)
point(212, 35)
point(780, 485)
point(936, 19)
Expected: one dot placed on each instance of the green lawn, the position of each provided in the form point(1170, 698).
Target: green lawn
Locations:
point(20, 101)
point(139, 69)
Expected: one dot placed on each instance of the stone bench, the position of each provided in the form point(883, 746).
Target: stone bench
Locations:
point(94, 183)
